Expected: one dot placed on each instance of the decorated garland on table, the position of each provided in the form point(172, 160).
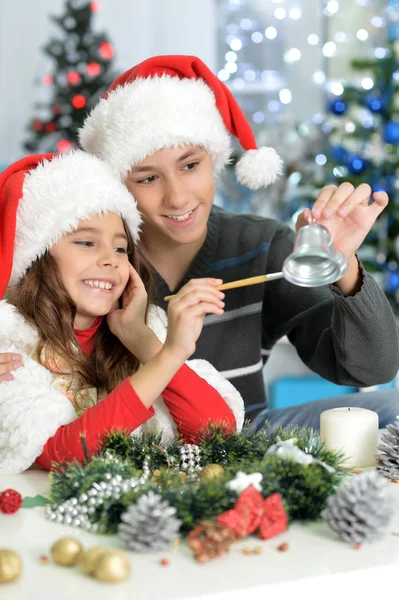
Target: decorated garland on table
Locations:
point(226, 488)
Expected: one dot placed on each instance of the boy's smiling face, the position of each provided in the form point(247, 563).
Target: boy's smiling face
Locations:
point(174, 189)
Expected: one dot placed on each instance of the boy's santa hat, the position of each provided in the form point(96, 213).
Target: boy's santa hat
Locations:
point(170, 101)
point(44, 196)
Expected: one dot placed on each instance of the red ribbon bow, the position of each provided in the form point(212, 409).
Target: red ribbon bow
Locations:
point(251, 512)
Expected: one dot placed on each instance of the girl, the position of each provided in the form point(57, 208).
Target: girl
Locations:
point(77, 313)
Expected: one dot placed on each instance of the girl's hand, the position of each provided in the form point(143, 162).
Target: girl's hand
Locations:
point(186, 313)
point(128, 322)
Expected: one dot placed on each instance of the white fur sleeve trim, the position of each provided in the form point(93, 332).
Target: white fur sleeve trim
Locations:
point(157, 321)
point(226, 389)
point(162, 422)
point(15, 332)
point(31, 411)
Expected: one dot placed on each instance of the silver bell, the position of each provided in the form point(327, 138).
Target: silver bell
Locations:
point(314, 261)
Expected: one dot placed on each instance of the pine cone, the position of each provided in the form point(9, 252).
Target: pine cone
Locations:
point(360, 511)
point(388, 459)
point(150, 524)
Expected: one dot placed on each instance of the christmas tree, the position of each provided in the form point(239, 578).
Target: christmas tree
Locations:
point(363, 148)
point(81, 75)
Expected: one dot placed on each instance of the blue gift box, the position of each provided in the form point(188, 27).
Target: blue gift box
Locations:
point(294, 390)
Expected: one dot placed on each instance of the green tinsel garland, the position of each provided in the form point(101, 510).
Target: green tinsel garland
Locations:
point(235, 449)
point(304, 488)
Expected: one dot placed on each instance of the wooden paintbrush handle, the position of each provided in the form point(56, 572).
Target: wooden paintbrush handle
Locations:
point(243, 282)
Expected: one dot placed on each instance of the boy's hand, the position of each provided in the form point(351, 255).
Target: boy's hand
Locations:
point(345, 211)
point(9, 362)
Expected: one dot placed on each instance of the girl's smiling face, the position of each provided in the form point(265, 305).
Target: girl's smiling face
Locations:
point(94, 266)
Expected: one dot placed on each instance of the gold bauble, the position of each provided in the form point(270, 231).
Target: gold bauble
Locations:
point(88, 560)
point(10, 566)
point(113, 567)
point(66, 551)
point(211, 472)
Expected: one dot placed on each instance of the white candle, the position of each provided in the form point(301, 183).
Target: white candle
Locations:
point(352, 431)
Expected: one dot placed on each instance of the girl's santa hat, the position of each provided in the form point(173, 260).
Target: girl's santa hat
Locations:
point(170, 101)
point(44, 196)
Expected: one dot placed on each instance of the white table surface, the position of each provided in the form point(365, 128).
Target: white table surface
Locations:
point(314, 551)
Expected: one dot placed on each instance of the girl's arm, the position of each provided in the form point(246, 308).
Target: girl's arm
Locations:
point(195, 396)
point(38, 422)
point(127, 407)
point(194, 403)
point(121, 409)
point(198, 394)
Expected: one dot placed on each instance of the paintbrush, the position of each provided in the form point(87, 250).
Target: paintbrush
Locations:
point(244, 282)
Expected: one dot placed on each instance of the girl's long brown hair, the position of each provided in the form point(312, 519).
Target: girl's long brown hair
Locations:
point(44, 302)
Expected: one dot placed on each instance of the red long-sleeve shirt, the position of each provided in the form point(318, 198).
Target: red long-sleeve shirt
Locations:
point(191, 401)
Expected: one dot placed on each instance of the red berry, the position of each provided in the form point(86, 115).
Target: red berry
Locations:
point(164, 562)
point(10, 501)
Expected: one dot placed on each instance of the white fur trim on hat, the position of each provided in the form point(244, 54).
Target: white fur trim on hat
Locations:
point(259, 168)
point(60, 193)
point(139, 118)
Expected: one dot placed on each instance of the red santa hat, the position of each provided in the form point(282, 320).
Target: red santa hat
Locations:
point(170, 101)
point(44, 196)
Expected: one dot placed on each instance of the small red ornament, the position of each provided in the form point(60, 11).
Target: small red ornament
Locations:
point(106, 50)
point(78, 101)
point(164, 562)
point(10, 501)
point(63, 146)
point(37, 125)
point(93, 69)
point(73, 77)
point(51, 127)
point(48, 80)
point(94, 6)
point(56, 108)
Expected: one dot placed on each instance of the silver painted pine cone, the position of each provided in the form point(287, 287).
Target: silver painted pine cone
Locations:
point(388, 458)
point(361, 510)
point(149, 524)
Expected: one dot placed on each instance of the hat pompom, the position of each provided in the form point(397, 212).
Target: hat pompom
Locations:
point(259, 168)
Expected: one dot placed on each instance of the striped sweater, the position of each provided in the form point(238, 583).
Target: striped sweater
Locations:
point(347, 340)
